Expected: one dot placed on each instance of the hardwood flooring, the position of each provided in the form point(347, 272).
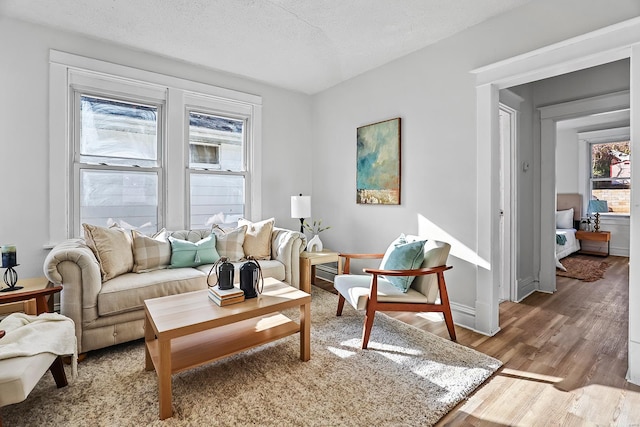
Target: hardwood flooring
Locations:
point(564, 355)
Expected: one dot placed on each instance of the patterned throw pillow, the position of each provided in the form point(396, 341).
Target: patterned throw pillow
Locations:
point(112, 248)
point(190, 254)
point(403, 255)
point(257, 240)
point(150, 253)
point(229, 242)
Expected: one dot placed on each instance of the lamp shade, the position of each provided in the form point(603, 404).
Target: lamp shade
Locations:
point(597, 206)
point(300, 206)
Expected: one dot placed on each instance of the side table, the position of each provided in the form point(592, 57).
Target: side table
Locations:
point(33, 294)
point(595, 236)
point(308, 262)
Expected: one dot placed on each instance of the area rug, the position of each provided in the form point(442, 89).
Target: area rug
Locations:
point(583, 267)
point(408, 377)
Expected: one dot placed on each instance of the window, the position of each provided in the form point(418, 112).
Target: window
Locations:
point(610, 176)
point(117, 165)
point(121, 139)
point(217, 168)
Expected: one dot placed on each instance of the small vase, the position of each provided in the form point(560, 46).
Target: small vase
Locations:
point(315, 244)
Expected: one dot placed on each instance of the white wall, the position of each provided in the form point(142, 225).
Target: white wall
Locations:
point(24, 115)
point(567, 175)
point(434, 93)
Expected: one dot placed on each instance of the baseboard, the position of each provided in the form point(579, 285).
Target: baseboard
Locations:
point(463, 315)
point(633, 374)
point(525, 287)
point(615, 251)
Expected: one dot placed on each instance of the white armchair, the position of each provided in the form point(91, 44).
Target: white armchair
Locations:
point(372, 292)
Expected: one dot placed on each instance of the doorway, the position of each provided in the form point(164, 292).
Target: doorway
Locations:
point(599, 47)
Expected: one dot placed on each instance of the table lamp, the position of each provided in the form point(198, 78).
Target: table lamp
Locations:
point(596, 207)
point(301, 208)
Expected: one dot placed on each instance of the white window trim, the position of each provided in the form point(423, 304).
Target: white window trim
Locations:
point(66, 68)
point(585, 139)
point(207, 105)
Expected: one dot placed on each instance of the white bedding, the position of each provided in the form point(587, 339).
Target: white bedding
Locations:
point(572, 245)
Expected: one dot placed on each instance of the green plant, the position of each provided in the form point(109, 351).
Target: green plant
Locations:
point(316, 228)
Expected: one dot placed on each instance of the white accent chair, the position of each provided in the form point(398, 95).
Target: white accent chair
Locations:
point(19, 375)
point(371, 292)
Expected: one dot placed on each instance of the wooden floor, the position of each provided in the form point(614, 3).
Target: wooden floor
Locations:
point(564, 355)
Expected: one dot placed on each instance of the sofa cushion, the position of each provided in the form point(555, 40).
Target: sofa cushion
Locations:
point(128, 291)
point(112, 248)
point(150, 253)
point(189, 254)
point(257, 240)
point(229, 242)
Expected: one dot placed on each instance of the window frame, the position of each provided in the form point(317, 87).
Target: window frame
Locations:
point(216, 107)
point(79, 165)
point(69, 72)
point(587, 140)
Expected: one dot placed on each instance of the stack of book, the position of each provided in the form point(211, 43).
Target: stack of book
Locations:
point(226, 296)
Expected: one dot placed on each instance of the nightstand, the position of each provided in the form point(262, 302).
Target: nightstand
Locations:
point(595, 236)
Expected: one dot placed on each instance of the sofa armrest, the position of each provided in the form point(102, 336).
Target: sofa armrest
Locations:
point(73, 265)
point(286, 247)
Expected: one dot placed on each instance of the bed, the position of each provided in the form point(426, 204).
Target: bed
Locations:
point(568, 216)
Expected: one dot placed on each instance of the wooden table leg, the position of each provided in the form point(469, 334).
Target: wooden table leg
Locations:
point(164, 380)
point(305, 332)
point(41, 304)
point(57, 370)
point(305, 275)
point(148, 336)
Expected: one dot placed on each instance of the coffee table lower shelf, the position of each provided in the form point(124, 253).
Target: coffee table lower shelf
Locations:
point(209, 345)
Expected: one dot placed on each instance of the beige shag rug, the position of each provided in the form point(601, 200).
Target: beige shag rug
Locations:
point(583, 267)
point(408, 377)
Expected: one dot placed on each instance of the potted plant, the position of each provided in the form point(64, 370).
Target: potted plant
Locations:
point(315, 244)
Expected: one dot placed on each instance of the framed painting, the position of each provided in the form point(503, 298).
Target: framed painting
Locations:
point(378, 163)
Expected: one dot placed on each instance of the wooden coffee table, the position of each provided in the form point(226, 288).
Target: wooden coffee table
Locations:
point(188, 330)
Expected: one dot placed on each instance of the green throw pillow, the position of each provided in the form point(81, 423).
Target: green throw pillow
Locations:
point(403, 255)
point(188, 254)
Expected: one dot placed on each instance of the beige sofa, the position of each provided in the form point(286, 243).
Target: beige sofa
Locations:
point(111, 312)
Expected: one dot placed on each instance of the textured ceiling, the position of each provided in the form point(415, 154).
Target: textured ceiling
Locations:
point(303, 45)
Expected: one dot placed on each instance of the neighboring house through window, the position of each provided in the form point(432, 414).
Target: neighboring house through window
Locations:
point(609, 171)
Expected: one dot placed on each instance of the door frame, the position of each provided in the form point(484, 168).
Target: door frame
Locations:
point(609, 44)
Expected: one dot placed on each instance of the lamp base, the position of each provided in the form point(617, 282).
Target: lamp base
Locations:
point(10, 279)
point(11, 288)
point(596, 223)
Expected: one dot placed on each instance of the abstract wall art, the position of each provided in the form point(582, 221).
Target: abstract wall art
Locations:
point(378, 163)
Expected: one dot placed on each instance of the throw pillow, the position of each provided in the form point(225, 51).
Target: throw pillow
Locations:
point(257, 240)
point(564, 219)
point(150, 253)
point(112, 248)
point(229, 242)
point(403, 255)
point(190, 254)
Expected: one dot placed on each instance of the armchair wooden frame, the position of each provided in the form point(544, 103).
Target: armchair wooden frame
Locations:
point(374, 305)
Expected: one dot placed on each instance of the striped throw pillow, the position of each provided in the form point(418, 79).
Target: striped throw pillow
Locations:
point(150, 253)
point(229, 242)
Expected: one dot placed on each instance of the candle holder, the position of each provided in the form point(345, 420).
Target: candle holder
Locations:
point(10, 279)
